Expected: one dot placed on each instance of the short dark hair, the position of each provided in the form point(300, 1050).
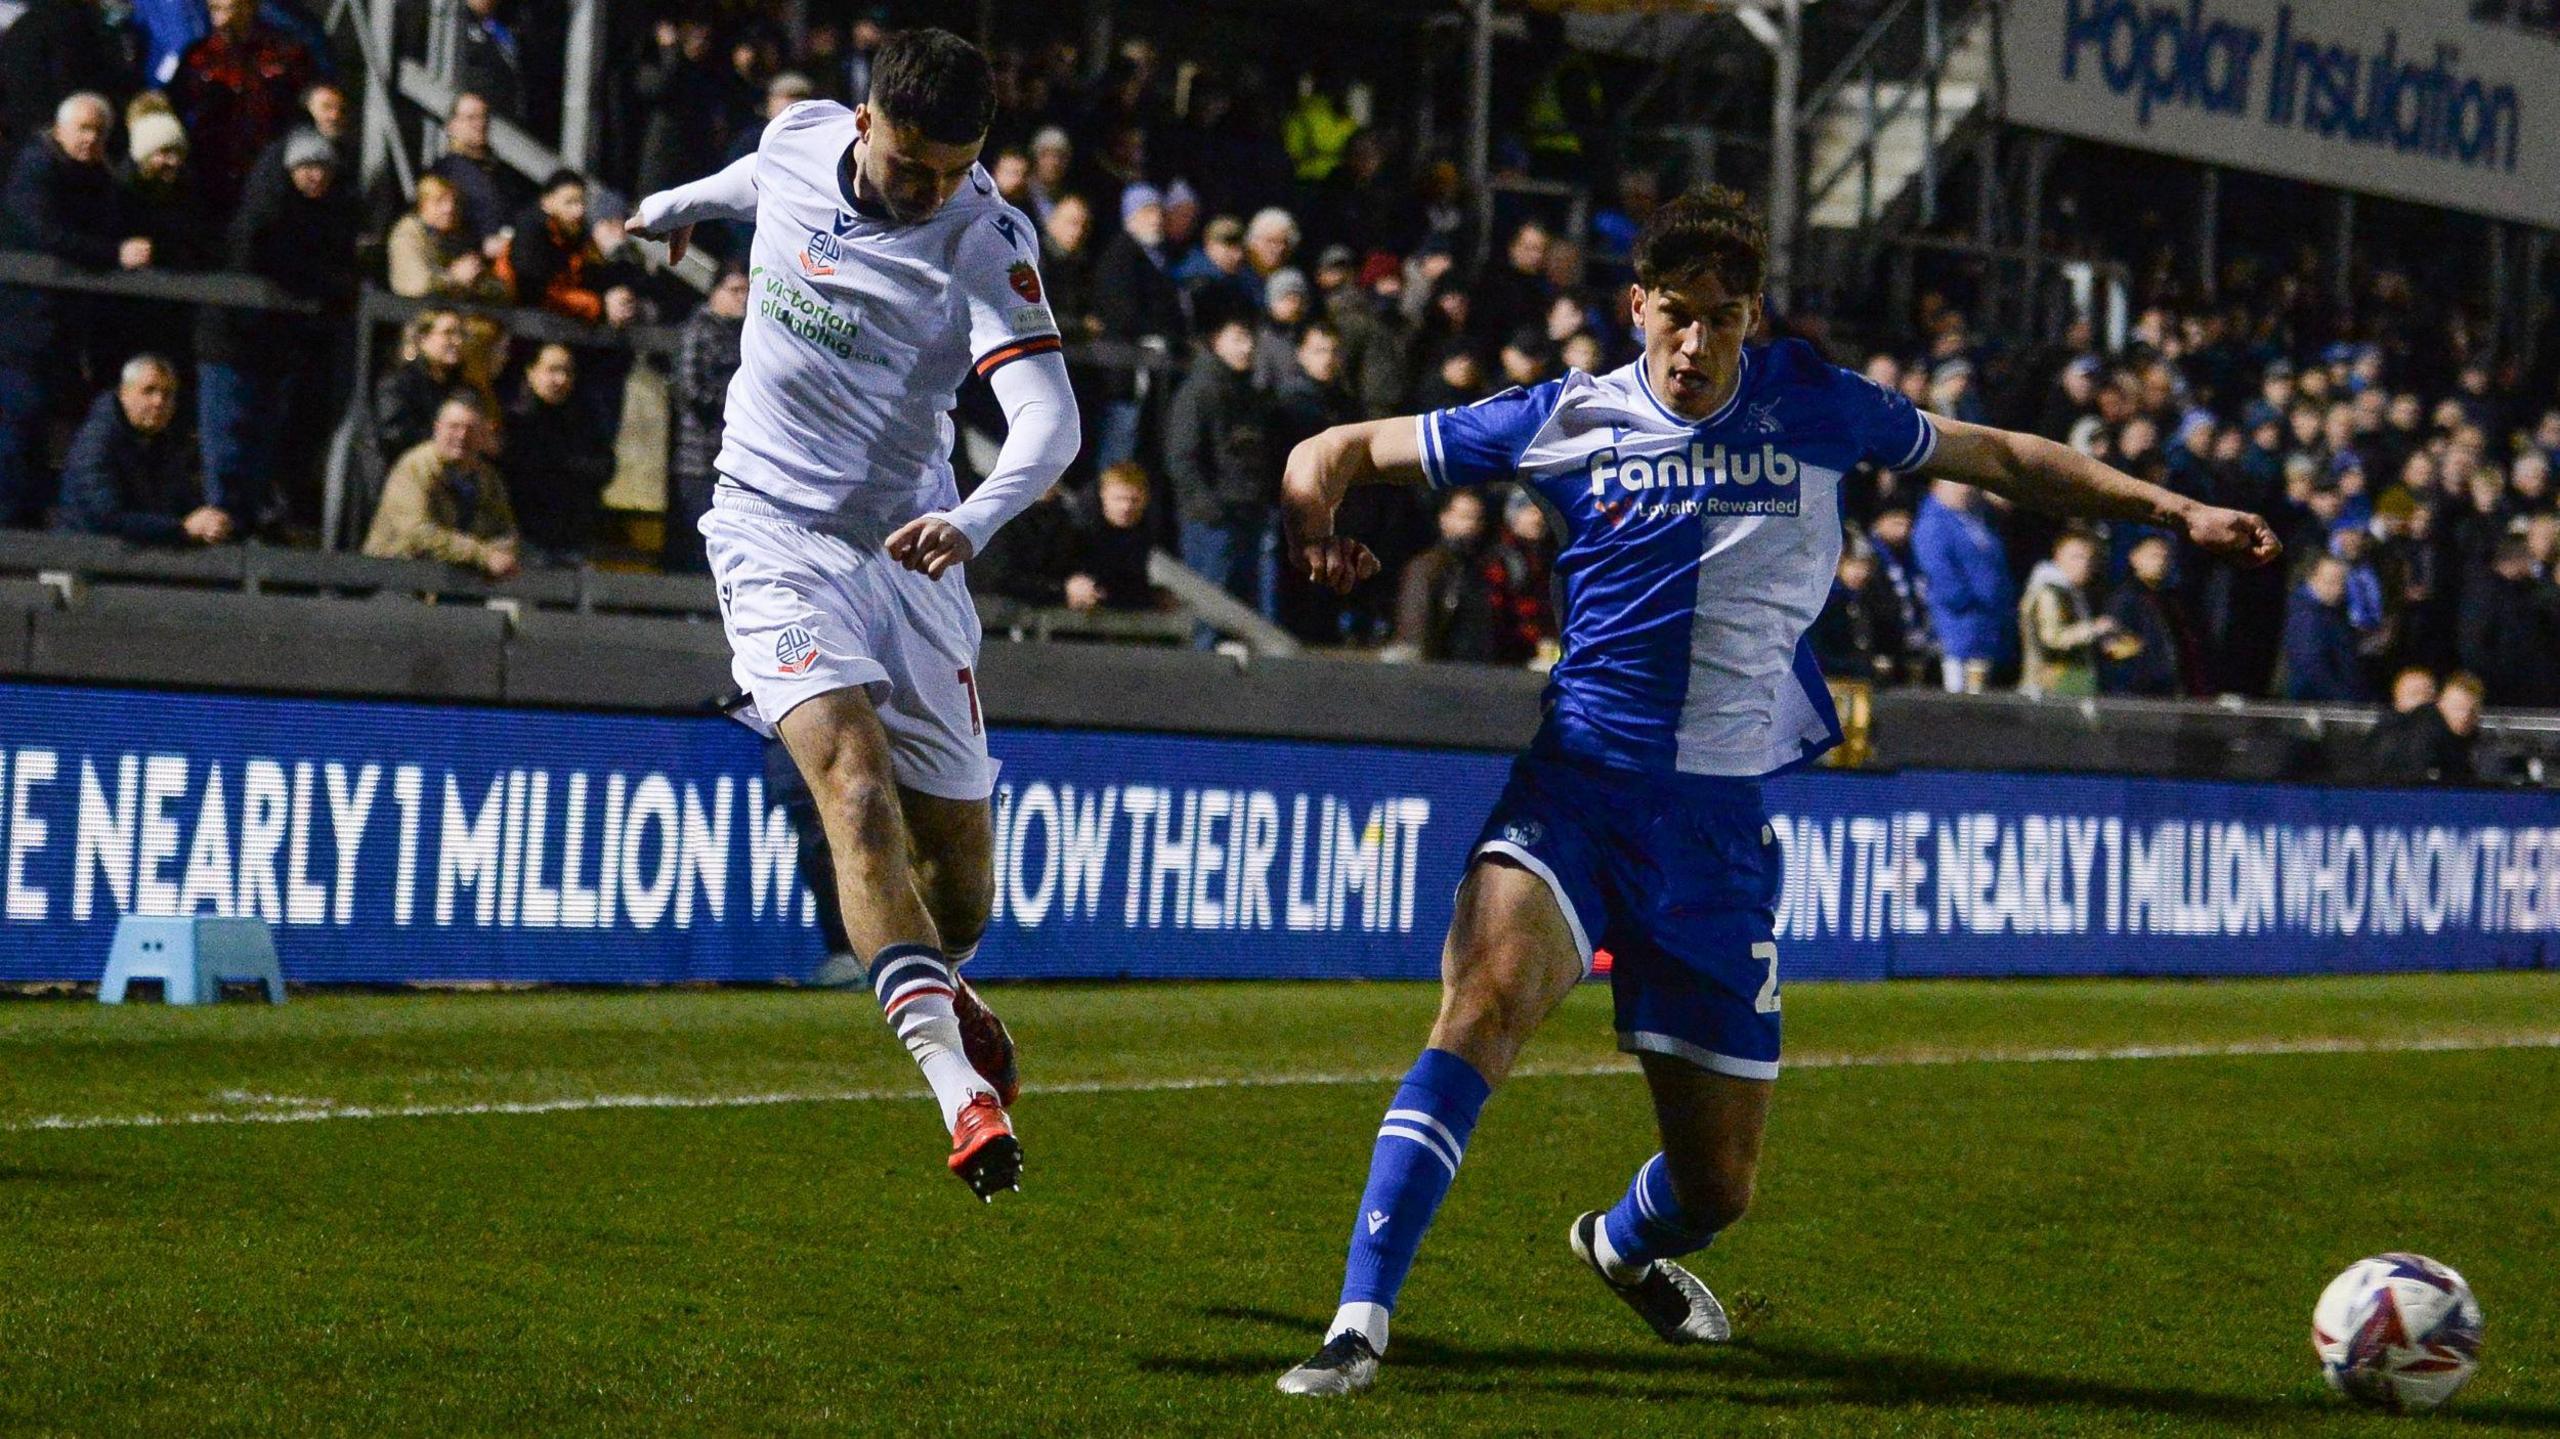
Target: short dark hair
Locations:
point(936, 82)
point(563, 179)
point(1713, 231)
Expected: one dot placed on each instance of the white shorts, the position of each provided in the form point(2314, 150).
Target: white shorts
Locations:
point(808, 612)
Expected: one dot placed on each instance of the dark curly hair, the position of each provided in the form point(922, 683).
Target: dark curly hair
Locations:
point(1713, 231)
point(936, 82)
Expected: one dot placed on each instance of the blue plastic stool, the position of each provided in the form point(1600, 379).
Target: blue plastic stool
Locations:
point(190, 957)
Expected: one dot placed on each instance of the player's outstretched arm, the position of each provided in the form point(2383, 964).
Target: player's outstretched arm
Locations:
point(2058, 480)
point(1322, 469)
point(1041, 438)
point(670, 215)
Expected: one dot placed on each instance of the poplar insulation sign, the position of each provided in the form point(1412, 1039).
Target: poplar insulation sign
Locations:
point(2407, 98)
point(397, 843)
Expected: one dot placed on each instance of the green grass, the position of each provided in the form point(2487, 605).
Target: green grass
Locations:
point(1960, 1248)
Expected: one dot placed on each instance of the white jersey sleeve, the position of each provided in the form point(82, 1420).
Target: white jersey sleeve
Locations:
point(995, 269)
point(729, 194)
point(1040, 440)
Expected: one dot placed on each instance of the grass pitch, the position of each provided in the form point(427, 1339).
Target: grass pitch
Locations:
point(494, 1214)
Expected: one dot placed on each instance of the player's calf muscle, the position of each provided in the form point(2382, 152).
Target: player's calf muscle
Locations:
point(861, 813)
point(953, 847)
point(1711, 1131)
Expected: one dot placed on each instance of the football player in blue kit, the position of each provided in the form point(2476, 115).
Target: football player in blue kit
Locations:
point(1699, 492)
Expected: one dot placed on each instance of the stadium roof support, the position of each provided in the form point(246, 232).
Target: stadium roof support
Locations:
point(1783, 38)
point(580, 62)
point(373, 36)
point(1480, 120)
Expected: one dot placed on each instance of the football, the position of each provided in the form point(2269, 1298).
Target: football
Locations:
point(2398, 1332)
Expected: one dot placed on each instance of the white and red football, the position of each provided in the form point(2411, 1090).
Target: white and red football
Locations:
point(2398, 1332)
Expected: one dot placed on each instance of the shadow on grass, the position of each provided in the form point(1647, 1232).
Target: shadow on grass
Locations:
point(1779, 1376)
point(21, 1174)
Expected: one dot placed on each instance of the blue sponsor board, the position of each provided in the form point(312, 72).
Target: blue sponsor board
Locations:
point(399, 843)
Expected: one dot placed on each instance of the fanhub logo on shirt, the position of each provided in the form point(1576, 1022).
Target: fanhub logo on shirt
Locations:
point(1757, 481)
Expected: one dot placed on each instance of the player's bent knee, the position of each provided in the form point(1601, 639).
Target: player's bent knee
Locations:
point(1713, 1194)
point(1492, 1000)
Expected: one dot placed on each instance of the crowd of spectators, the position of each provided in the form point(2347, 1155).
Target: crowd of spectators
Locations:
point(185, 138)
point(1234, 272)
point(2405, 466)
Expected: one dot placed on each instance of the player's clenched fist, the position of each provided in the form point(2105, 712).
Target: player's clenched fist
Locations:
point(2233, 534)
point(929, 546)
point(1337, 562)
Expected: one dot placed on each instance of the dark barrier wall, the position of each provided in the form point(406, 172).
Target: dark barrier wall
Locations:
point(400, 842)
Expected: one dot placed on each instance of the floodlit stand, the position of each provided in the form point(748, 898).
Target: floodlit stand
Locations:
point(191, 957)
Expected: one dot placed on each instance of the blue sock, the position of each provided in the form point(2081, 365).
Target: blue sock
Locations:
point(1647, 1223)
point(1419, 1147)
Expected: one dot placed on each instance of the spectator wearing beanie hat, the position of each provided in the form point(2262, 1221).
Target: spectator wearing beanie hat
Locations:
point(153, 132)
point(1377, 336)
point(161, 198)
point(1181, 221)
point(1137, 301)
point(261, 387)
point(1287, 301)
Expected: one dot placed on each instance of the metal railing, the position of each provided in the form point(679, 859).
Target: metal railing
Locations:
point(345, 491)
point(71, 565)
point(1885, 55)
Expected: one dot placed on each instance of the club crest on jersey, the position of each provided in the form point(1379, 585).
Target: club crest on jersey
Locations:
point(1700, 479)
point(1025, 281)
point(795, 650)
point(821, 253)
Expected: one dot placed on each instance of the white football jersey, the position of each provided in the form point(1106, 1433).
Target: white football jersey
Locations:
point(859, 331)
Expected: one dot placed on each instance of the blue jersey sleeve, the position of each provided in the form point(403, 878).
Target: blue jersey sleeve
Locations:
point(1481, 444)
point(1888, 429)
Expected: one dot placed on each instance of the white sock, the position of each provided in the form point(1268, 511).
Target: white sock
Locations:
point(913, 984)
point(1610, 1264)
point(1369, 1319)
point(962, 954)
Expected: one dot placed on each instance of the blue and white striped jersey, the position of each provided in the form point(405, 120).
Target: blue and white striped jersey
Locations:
point(1695, 555)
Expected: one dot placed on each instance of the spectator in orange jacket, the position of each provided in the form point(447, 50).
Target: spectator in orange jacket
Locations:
point(553, 257)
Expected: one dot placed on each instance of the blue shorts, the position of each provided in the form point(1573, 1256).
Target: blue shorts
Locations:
point(1677, 877)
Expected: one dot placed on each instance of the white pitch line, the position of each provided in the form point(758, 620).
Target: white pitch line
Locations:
point(296, 1109)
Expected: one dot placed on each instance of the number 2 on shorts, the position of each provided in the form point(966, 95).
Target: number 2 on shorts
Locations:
point(1767, 1003)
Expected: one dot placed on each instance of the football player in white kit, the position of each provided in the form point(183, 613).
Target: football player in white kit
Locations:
point(885, 270)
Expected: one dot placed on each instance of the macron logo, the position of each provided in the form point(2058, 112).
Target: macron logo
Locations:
point(1377, 1220)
